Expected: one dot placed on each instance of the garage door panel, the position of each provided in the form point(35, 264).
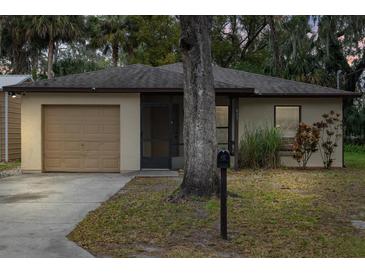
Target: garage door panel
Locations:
point(109, 146)
point(108, 155)
point(53, 146)
point(67, 154)
point(53, 163)
point(111, 129)
point(72, 163)
point(71, 128)
point(93, 129)
point(92, 146)
point(110, 163)
point(98, 137)
point(82, 138)
point(71, 146)
point(55, 129)
point(92, 163)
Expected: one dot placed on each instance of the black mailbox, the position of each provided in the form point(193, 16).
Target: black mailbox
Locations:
point(223, 159)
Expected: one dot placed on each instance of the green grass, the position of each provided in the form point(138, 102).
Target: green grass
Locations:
point(355, 156)
point(271, 213)
point(9, 165)
point(355, 159)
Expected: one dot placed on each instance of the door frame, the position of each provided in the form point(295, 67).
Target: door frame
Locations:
point(169, 108)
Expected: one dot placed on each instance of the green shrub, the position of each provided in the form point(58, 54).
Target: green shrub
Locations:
point(259, 148)
point(355, 148)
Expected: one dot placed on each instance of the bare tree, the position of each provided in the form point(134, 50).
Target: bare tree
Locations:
point(200, 177)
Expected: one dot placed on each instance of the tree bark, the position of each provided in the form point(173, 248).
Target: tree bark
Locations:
point(50, 59)
point(275, 47)
point(34, 63)
point(19, 61)
point(115, 54)
point(200, 145)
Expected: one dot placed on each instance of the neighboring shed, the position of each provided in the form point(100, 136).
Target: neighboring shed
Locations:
point(10, 141)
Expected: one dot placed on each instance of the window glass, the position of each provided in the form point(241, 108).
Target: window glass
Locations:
point(221, 114)
point(287, 119)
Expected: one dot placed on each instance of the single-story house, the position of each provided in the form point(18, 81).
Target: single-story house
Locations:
point(10, 118)
point(131, 118)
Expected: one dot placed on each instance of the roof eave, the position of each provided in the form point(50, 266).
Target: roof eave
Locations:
point(233, 91)
point(311, 94)
point(17, 89)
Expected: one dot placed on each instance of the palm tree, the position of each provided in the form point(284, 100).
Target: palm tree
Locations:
point(13, 42)
point(54, 29)
point(109, 33)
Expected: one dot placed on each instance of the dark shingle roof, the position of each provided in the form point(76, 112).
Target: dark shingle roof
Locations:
point(263, 84)
point(129, 77)
point(137, 78)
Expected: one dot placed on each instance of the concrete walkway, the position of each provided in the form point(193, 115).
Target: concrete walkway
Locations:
point(37, 211)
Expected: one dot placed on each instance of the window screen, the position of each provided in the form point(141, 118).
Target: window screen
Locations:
point(287, 118)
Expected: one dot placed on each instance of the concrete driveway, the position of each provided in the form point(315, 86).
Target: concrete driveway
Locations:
point(37, 211)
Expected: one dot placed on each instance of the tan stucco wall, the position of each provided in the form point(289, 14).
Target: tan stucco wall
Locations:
point(31, 124)
point(260, 111)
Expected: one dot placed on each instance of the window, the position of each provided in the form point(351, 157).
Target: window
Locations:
point(287, 118)
point(222, 122)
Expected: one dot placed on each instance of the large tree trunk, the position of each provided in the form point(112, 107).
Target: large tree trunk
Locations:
point(50, 59)
point(200, 145)
point(19, 61)
point(275, 47)
point(115, 54)
point(34, 63)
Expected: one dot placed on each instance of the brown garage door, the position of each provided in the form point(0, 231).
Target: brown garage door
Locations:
point(81, 138)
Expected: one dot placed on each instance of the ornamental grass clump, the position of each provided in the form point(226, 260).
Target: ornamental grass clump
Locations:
point(305, 143)
point(355, 148)
point(330, 129)
point(259, 148)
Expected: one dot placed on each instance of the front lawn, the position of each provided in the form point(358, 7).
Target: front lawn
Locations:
point(272, 213)
point(355, 159)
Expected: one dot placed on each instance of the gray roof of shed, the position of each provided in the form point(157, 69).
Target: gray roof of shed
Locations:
point(8, 80)
point(167, 78)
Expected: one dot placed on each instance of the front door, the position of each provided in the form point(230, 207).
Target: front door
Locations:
point(155, 136)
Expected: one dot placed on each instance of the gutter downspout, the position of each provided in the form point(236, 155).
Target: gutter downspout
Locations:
point(6, 125)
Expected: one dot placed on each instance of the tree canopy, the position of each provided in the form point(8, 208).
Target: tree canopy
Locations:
point(305, 48)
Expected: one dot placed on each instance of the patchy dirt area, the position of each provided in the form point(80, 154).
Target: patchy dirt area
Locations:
point(10, 169)
point(10, 172)
point(271, 213)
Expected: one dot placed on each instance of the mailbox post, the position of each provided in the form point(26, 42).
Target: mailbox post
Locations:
point(223, 162)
